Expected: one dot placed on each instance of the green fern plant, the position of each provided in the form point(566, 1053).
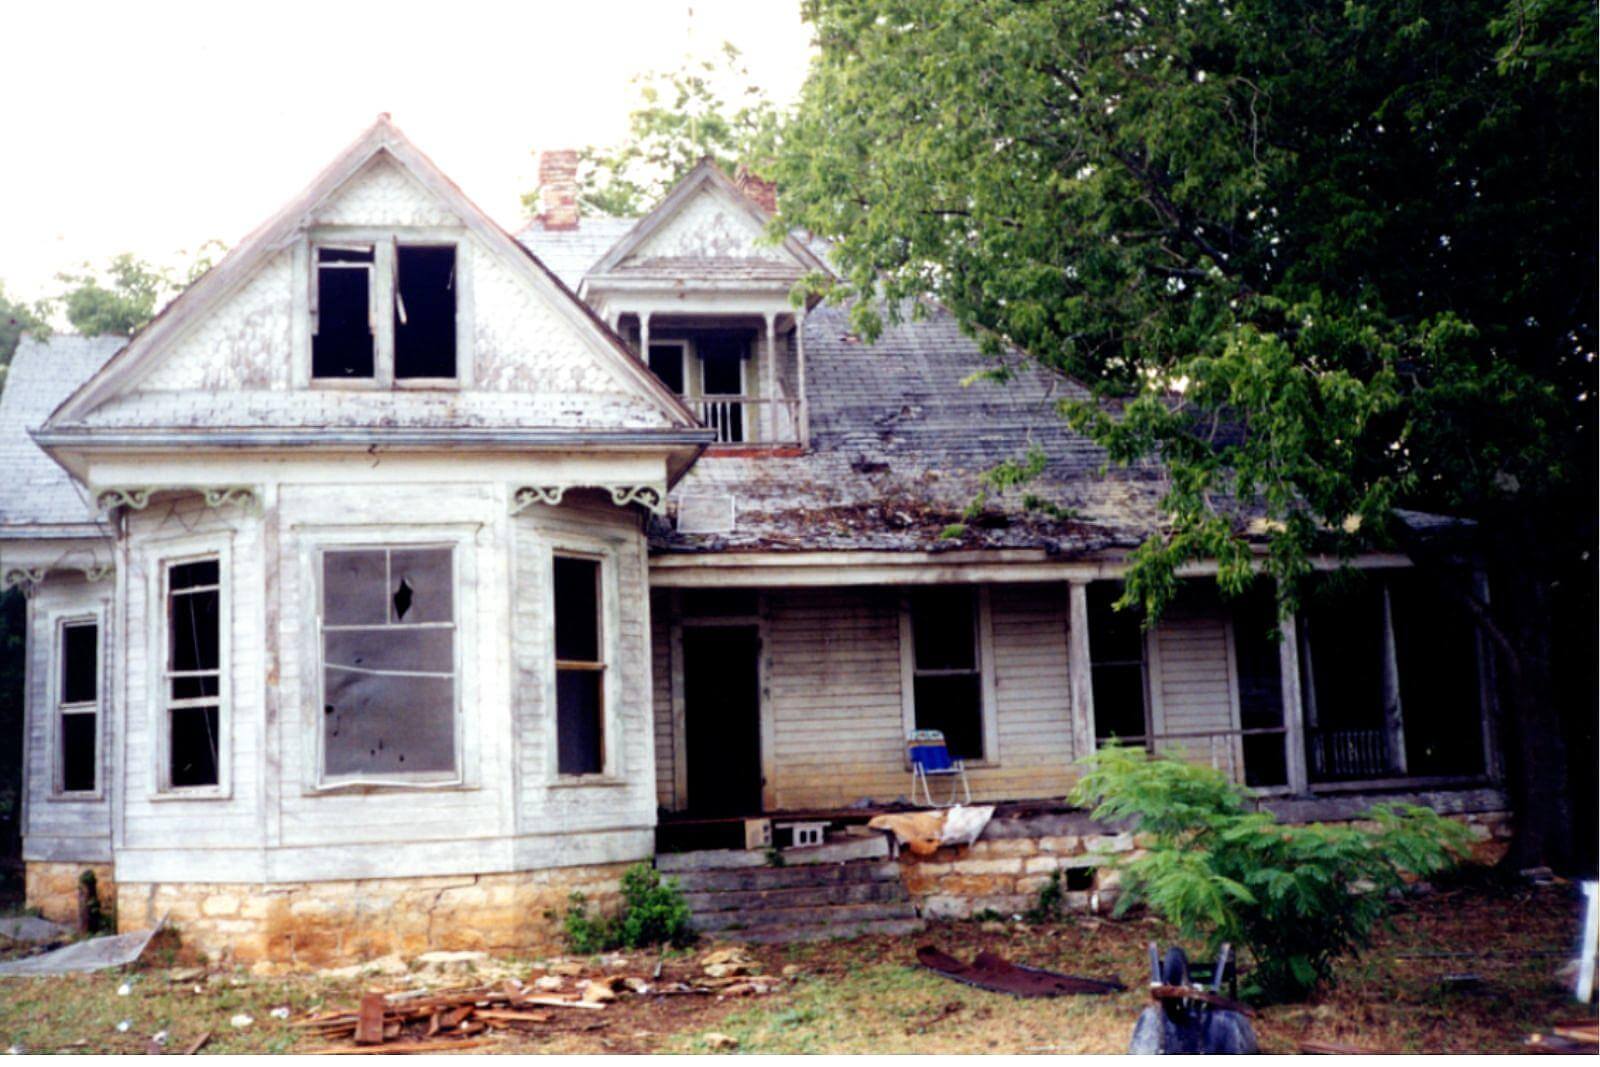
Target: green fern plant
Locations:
point(1297, 897)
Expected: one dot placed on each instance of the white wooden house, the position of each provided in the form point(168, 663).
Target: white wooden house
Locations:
point(404, 575)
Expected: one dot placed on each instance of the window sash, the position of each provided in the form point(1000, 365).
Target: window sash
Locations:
point(597, 667)
point(976, 671)
point(171, 704)
point(65, 709)
point(393, 776)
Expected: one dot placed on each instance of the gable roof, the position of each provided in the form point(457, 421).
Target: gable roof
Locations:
point(707, 178)
point(282, 230)
point(35, 492)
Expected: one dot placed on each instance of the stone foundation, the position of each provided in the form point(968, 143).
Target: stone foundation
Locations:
point(1004, 870)
point(318, 924)
point(52, 889)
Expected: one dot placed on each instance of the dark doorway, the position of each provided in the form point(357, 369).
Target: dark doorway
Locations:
point(722, 719)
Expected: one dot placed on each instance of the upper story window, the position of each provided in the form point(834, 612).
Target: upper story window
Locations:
point(384, 312)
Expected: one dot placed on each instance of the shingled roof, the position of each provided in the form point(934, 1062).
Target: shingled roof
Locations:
point(37, 492)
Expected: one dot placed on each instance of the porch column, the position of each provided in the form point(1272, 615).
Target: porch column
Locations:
point(1081, 678)
point(1488, 688)
point(771, 387)
point(1294, 738)
point(644, 338)
point(1394, 726)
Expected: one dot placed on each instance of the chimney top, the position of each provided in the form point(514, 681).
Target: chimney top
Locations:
point(558, 188)
point(763, 192)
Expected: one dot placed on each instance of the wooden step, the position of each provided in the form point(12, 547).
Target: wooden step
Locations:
point(778, 935)
point(762, 878)
point(864, 848)
point(825, 915)
point(797, 897)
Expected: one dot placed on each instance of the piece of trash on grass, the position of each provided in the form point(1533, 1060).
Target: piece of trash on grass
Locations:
point(280, 1013)
point(95, 954)
point(999, 975)
point(241, 1021)
point(124, 989)
point(159, 1037)
point(124, 1026)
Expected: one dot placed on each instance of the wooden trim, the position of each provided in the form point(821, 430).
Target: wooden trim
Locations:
point(1235, 717)
point(680, 734)
point(1080, 668)
point(765, 709)
point(1155, 703)
point(988, 683)
point(1293, 709)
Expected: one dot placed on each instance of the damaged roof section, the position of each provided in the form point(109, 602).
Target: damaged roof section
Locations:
point(42, 375)
point(900, 447)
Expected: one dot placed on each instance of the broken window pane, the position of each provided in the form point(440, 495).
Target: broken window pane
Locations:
point(194, 631)
point(80, 663)
point(579, 730)
point(78, 752)
point(425, 311)
point(666, 363)
point(388, 649)
point(342, 346)
point(190, 575)
point(193, 754)
point(577, 597)
point(387, 724)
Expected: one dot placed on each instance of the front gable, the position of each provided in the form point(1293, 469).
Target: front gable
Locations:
point(235, 349)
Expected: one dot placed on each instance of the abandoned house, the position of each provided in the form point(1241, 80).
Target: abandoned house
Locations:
point(405, 575)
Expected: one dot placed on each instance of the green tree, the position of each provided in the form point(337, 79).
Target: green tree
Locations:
point(119, 300)
point(1334, 258)
point(706, 108)
point(16, 318)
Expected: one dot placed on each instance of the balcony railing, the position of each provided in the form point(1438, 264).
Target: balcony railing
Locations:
point(750, 419)
point(1344, 755)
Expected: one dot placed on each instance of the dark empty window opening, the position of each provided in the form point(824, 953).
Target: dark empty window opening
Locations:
point(1256, 660)
point(1437, 658)
point(666, 363)
point(1117, 668)
point(194, 673)
point(342, 337)
point(722, 371)
point(580, 667)
point(425, 311)
point(1342, 682)
point(388, 657)
point(78, 707)
point(947, 673)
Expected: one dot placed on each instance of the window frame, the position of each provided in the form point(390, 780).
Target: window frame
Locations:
point(1147, 739)
point(983, 652)
point(607, 555)
point(165, 557)
point(461, 539)
point(385, 241)
point(59, 622)
point(682, 345)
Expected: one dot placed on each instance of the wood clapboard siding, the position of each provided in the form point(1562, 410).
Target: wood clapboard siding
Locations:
point(1033, 699)
point(661, 698)
point(1192, 685)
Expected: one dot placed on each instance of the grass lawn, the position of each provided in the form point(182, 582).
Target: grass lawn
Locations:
point(868, 995)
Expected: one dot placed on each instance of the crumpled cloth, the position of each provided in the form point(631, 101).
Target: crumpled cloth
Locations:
point(923, 832)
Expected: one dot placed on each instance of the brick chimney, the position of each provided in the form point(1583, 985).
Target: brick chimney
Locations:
point(558, 189)
point(760, 190)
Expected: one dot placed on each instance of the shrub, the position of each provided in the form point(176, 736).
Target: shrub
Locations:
point(654, 912)
point(1297, 897)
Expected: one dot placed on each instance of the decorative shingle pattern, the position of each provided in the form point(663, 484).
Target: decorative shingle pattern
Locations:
point(34, 490)
point(242, 344)
point(382, 194)
point(710, 227)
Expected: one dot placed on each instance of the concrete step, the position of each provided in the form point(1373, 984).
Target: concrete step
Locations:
point(752, 879)
point(846, 915)
point(786, 934)
point(864, 848)
point(797, 897)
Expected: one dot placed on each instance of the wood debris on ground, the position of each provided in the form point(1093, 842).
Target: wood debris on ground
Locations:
point(1579, 1037)
point(445, 1020)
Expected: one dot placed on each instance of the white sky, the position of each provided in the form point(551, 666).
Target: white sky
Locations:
point(150, 127)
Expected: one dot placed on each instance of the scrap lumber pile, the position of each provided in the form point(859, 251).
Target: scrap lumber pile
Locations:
point(447, 1020)
point(1577, 1037)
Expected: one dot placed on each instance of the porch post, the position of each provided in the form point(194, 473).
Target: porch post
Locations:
point(1294, 738)
point(1393, 715)
point(644, 338)
point(1081, 678)
point(1488, 689)
point(771, 387)
point(800, 361)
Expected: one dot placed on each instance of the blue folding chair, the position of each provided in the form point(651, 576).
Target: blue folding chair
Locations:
point(931, 759)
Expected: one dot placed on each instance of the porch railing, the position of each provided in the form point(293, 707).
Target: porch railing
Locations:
point(751, 419)
point(1342, 755)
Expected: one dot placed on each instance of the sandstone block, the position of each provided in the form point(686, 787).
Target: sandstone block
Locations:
point(1109, 843)
point(1064, 846)
point(1010, 865)
point(947, 907)
point(219, 904)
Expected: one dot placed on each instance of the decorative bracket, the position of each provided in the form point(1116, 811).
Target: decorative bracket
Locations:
point(652, 497)
point(25, 578)
point(110, 500)
point(528, 496)
point(222, 496)
point(93, 572)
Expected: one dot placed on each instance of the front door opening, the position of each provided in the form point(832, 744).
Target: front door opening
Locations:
point(722, 720)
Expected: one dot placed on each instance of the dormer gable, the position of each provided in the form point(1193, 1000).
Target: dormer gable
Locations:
point(463, 326)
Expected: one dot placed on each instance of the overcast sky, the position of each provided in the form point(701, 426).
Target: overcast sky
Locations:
point(150, 127)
